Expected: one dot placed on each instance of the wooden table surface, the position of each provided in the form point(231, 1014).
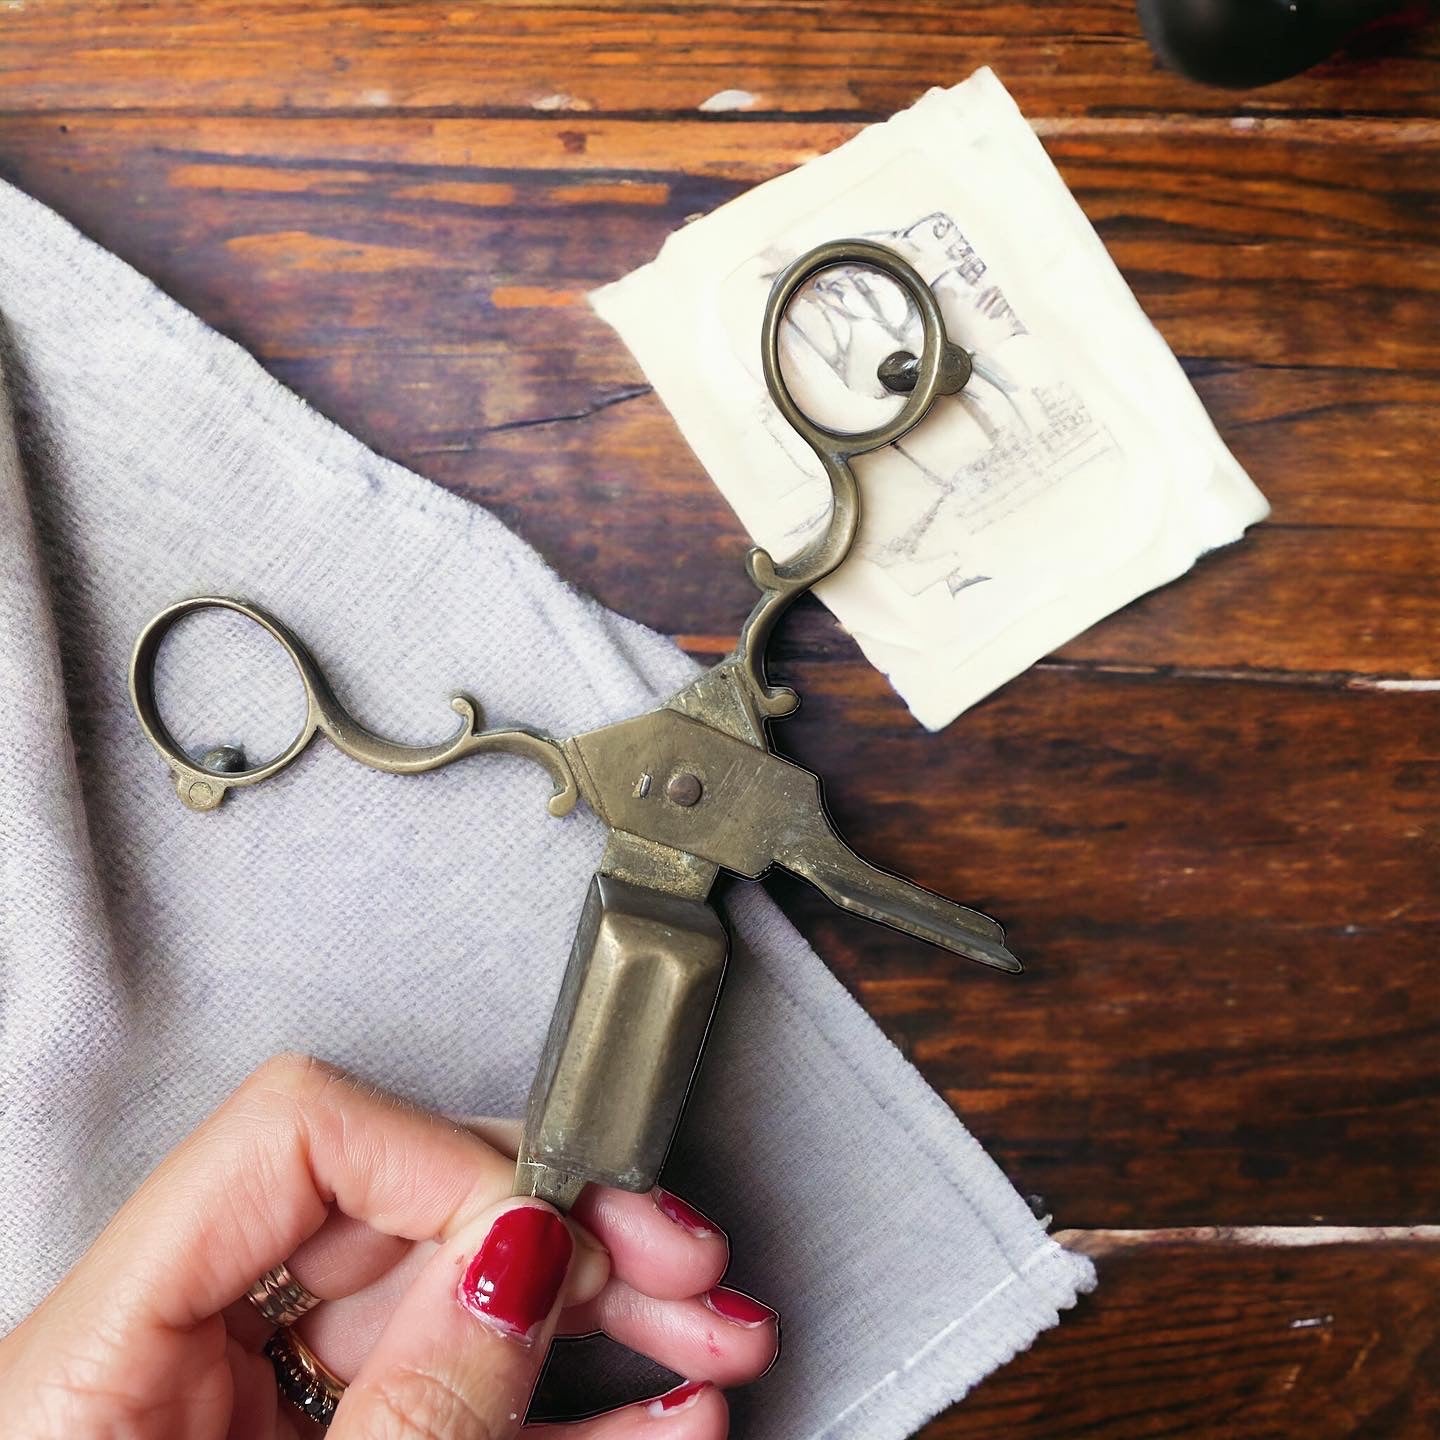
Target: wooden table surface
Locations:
point(1207, 821)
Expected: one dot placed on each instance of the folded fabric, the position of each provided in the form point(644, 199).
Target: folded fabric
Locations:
point(413, 929)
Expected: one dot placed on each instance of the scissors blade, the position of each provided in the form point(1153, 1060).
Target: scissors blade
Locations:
point(748, 809)
point(817, 854)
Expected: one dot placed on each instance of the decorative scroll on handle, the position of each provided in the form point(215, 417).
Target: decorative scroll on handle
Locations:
point(941, 368)
point(203, 788)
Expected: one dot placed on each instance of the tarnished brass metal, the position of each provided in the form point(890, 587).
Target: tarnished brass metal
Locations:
point(688, 789)
point(645, 970)
point(203, 787)
point(898, 372)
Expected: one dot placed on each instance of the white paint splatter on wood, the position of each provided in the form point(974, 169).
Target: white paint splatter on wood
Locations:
point(1108, 1242)
point(560, 101)
point(728, 100)
point(1418, 686)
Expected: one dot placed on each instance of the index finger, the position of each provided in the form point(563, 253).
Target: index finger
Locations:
point(259, 1176)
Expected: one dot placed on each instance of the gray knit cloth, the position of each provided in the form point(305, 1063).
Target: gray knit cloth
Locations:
point(412, 929)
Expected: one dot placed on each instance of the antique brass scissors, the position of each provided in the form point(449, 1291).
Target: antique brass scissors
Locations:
point(687, 790)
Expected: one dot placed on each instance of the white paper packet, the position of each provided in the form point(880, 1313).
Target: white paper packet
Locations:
point(1076, 471)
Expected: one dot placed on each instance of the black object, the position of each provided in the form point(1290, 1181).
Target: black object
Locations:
point(1240, 43)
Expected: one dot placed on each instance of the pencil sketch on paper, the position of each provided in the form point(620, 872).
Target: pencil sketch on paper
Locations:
point(1016, 431)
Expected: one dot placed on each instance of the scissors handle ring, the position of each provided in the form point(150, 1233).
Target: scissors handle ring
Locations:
point(780, 584)
point(203, 788)
point(840, 445)
point(836, 448)
point(200, 787)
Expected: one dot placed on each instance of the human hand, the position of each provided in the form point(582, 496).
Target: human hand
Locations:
point(440, 1293)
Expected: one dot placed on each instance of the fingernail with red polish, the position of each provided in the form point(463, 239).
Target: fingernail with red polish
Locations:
point(682, 1397)
point(687, 1217)
point(515, 1278)
point(738, 1309)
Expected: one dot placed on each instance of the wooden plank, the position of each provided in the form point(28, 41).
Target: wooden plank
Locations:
point(1254, 1334)
point(844, 56)
point(1267, 246)
point(424, 285)
point(1211, 1338)
point(1226, 896)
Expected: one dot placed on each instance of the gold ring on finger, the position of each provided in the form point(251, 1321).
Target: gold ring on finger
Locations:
point(280, 1297)
point(303, 1378)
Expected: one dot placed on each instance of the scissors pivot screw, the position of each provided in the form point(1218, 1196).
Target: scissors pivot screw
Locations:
point(684, 789)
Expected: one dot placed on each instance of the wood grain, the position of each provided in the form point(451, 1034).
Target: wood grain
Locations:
point(435, 306)
point(1225, 895)
point(862, 57)
point(1209, 821)
point(1212, 1338)
point(1261, 246)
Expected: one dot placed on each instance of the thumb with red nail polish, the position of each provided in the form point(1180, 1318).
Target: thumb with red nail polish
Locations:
point(463, 1350)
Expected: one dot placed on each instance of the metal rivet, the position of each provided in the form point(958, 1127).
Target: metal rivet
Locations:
point(684, 788)
point(899, 372)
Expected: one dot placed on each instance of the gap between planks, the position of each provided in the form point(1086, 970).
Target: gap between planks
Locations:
point(1321, 127)
point(707, 646)
point(1100, 1243)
